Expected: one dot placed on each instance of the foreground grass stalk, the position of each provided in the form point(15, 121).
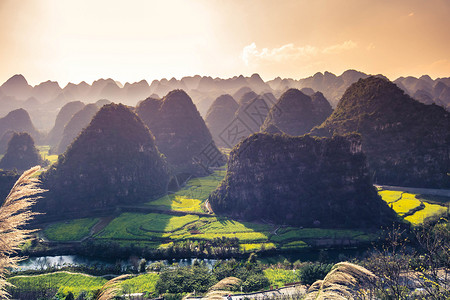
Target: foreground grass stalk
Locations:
point(14, 214)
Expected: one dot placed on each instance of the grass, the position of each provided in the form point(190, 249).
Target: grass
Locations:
point(177, 203)
point(140, 284)
point(64, 282)
point(258, 246)
point(191, 197)
point(145, 226)
point(281, 277)
point(296, 234)
point(76, 283)
point(72, 230)
point(295, 245)
point(224, 225)
point(133, 226)
point(430, 210)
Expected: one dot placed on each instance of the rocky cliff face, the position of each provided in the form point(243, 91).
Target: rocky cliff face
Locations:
point(301, 181)
point(180, 133)
point(113, 161)
point(407, 143)
point(296, 114)
point(21, 153)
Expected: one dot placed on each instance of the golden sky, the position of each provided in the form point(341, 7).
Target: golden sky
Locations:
point(144, 39)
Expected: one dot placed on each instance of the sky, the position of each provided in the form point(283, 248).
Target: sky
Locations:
point(131, 40)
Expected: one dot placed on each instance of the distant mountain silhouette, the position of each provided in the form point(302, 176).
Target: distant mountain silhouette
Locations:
point(241, 92)
point(137, 91)
point(21, 153)
point(4, 140)
point(19, 121)
point(17, 86)
point(63, 117)
point(47, 91)
point(113, 161)
point(296, 113)
point(301, 181)
point(79, 120)
point(427, 90)
point(406, 142)
point(180, 132)
point(219, 116)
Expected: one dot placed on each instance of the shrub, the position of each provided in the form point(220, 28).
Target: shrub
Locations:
point(255, 282)
point(314, 271)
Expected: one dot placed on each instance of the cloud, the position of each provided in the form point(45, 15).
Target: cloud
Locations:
point(411, 14)
point(290, 52)
point(371, 46)
point(286, 52)
point(347, 45)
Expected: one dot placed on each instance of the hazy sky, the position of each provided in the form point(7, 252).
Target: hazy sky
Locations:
point(143, 39)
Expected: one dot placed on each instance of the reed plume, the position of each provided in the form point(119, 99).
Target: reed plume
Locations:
point(110, 289)
point(14, 214)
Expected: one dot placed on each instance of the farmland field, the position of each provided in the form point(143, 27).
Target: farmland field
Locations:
point(390, 196)
point(177, 203)
point(72, 230)
point(405, 204)
point(430, 210)
point(415, 208)
point(140, 284)
point(43, 150)
point(191, 197)
point(64, 282)
point(280, 277)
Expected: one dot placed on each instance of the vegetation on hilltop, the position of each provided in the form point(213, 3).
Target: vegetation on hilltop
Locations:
point(301, 181)
point(21, 153)
point(406, 142)
point(113, 161)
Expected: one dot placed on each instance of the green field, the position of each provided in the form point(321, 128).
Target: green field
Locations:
point(177, 203)
point(281, 277)
point(140, 284)
point(413, 207)
point(76, 283)
point(134, 226)
point(64, 282)
point(296, 234)
point(191, 197)
point(72, 230)
point(43, 150)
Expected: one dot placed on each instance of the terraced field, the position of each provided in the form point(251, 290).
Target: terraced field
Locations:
point(166, 229)
point(414, 208)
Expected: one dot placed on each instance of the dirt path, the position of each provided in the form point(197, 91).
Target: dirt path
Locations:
point(434, 192)
point(100, 225)
point(285, 291)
